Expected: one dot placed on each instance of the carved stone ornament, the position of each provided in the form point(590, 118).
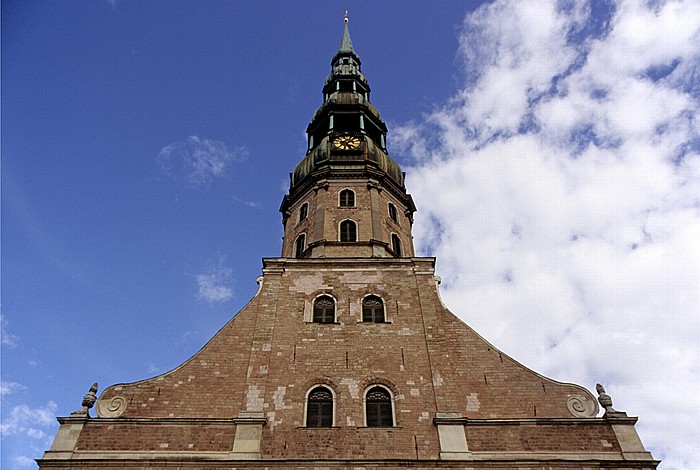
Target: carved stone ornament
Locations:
point(581, 406)
point(607, 404)
point(113, 408)
point(88, 402)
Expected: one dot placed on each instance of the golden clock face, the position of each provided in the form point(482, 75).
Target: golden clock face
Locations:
point(346, 142)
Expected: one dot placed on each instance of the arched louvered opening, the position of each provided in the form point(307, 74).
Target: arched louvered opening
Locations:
point(378, 408)
point(324, 309)
point(319, 408)
point(373, 309)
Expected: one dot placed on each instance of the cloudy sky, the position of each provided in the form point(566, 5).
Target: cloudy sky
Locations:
point(552, 149)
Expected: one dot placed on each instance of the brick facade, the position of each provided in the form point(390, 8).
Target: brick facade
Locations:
point(454, 400)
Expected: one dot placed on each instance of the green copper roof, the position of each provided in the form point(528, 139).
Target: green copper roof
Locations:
point(346, 42)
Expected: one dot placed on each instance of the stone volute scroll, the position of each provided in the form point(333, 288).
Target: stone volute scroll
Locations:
point(582, 406)
point(88, 402)
point(112, 408)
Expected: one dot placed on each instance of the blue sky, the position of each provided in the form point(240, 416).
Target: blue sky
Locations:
point(551, 148)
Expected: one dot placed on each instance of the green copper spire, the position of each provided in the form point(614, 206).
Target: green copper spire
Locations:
point(346, 42)
point(346, 49)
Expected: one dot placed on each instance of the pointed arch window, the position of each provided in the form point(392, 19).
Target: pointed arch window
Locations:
point(347, 198)
point(378, 408)
point(373, 309)
point(396, 244)
point(303, 212)
point(319, 408)
point(300, 246)
point(393, 215)
point(348, 231)
point(324, 309)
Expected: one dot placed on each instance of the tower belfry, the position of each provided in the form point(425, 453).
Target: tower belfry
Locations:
point(346, 356)
point(354, 194)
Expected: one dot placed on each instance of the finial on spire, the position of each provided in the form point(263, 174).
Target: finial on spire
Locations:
point(345, 42)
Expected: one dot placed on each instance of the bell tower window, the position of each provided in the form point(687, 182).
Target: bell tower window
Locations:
point(348, 231)
point(303, 212)
point(396, 244)
point(392, 213)
point(347, 198)
point(300, 246)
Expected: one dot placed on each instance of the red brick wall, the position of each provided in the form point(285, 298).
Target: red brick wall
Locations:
point(268, 357)
point(156, 437)
point(541, 438)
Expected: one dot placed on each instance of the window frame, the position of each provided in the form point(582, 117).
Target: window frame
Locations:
point(301, 237)
point(340, 198)
point(393, 212)
point(391, 403)
point(313, 309)
point(362, 309)
point(307, 400)
point(396, 240)
point(303, 212)
point(340, 231)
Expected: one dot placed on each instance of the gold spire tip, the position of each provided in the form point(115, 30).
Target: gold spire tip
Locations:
point(346, 16)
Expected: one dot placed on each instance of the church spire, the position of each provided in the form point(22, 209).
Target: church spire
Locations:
point(347, 197)
point(346, 42)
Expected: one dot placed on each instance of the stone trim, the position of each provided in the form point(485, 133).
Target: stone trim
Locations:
point(155, 421)
point(526, 421)
point(275, 265)
point(223, 460)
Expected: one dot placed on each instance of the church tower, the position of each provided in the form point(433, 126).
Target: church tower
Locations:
point(346, 357)
point(347, 197)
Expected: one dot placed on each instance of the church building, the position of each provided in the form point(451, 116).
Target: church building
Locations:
point(346, 356)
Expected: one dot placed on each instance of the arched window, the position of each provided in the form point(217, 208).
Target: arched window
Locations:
point(396, 244)
point(300, 246)
point(378, 410)
point(347, 198)
point(319, 408)
point(348, 231)
point(392, 213)
point(324, 309)
point(372, 309)
point(303, 212)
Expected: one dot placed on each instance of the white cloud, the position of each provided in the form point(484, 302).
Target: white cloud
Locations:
point(215, 284)
point(251, 204)
point(560, 191)
point(9, 387)
point(24, 461)
point(199, 160)
point(6, 338)
point(29, 422)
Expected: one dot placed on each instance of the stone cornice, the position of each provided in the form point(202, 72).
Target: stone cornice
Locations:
point(276, 265)
point(224, 460)
point(533, 421)
point(157, 421)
